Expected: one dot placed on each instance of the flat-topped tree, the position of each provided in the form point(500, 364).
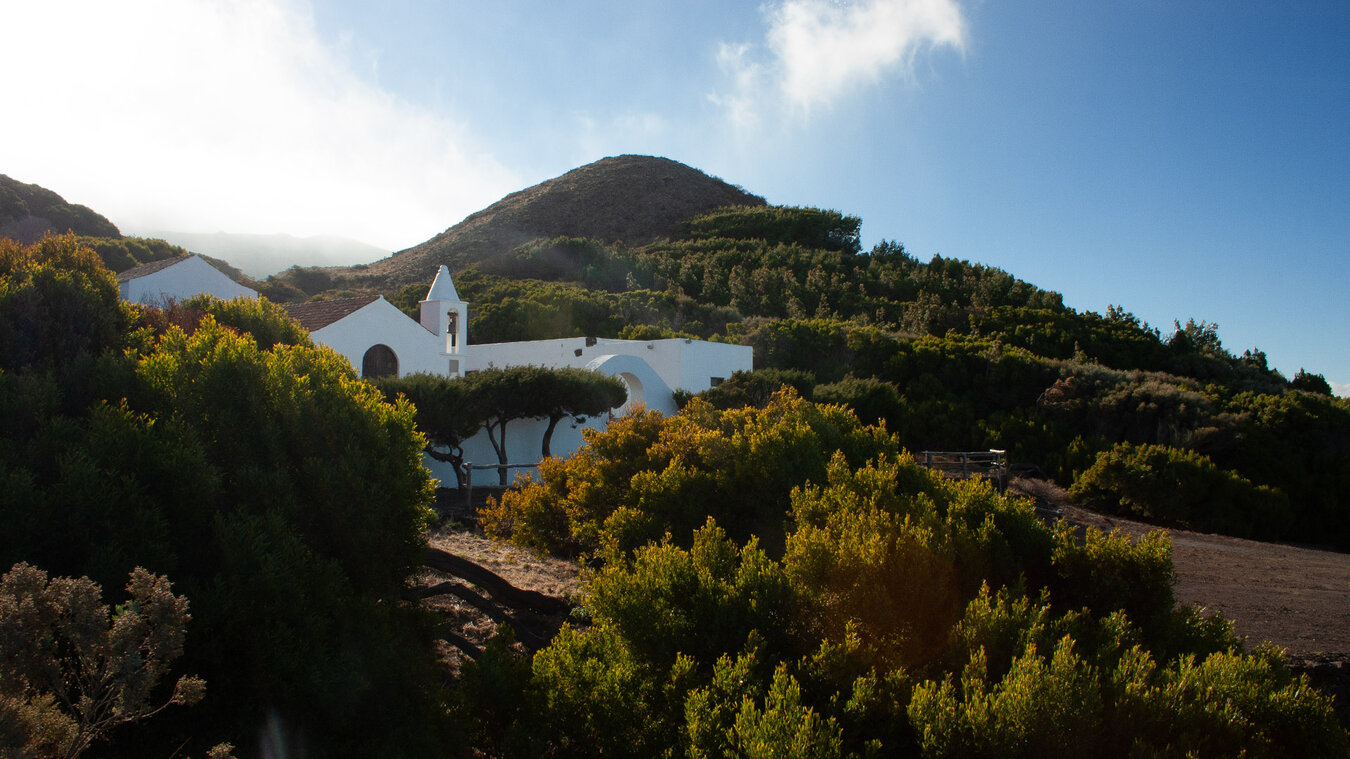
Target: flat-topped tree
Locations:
point(446, 414)
point(450, 410)
point(535, 392)
point(576, 393)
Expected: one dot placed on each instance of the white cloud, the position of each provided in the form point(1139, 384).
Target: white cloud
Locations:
point(1340, 389)
point(228, 115)
point(817, 50)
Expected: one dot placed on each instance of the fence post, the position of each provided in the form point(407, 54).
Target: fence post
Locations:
point(468, 487)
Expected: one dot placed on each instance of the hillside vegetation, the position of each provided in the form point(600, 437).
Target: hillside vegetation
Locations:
point(27, 212)
point(768, 573)
point(948, 354)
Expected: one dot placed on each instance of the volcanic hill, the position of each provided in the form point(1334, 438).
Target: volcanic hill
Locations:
point(628, 199)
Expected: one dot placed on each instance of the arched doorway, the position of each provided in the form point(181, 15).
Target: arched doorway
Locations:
point(379, 361)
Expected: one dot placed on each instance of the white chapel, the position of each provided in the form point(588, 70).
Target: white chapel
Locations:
point(380, 340)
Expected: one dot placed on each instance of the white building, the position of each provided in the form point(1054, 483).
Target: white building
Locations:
point(158, 282)
point(380, 340)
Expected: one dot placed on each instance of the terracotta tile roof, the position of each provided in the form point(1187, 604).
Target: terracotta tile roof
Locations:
point(318, 314)
point(136, 272)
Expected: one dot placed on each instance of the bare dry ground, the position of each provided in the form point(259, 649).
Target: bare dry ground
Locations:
point(523, 569)
point(1295, 597)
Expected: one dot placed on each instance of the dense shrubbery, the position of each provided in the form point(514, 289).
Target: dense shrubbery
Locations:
point(507, 309)
point(283, 495)
point(962, 393)
point(908, 615)
point(809, 227)
point(950, 354)
point(1299, 443)
point(122, 253)
point(1180, 488)
point(645, 476)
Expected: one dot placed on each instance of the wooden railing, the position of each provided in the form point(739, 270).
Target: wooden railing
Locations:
point(468, 469)
point(991, 464)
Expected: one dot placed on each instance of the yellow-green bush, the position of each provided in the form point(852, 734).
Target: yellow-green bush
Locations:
point(909, 615)
point(647, 475)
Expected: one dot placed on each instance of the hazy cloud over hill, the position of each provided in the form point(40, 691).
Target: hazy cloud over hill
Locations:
point(195, 100)
point(261, 255)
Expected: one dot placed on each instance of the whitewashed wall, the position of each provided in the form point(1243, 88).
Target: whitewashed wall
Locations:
point(381, 323)
point(524, 439)
point(650, 369)
point(680, 363)
point(192, 276)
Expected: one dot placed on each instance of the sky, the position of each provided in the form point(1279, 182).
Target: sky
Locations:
point(1181, 159)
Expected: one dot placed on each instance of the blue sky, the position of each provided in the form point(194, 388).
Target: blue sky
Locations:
point(1181, 159)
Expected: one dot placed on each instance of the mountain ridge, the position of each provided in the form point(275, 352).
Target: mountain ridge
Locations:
point(627, 199)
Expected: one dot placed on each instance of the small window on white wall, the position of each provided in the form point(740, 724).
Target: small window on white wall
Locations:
point(454, 366)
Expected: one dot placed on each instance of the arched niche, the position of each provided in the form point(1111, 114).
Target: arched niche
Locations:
point(633, 385)
point(645, 387)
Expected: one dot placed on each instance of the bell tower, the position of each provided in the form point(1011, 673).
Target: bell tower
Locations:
point(445, 315)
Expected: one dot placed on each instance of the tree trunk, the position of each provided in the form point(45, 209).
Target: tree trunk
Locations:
point(499, 445)
point(493, 583)
point(548, 435)
point(454, 459)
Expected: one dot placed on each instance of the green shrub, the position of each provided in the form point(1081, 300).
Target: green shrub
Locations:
point(1040, 708)
point(593, 697)
point(1224, 704)
point(1111, 572)
point(1183, 489)
point(704, 602)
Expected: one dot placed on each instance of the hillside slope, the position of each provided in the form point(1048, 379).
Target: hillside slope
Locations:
point(629, 199)
point(28, 211)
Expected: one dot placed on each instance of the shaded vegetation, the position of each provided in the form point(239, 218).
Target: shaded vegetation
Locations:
point(282, 494)
point(28, 212)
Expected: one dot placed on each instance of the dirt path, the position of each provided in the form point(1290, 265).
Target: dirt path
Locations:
point(467, 622)
point(1298, 598)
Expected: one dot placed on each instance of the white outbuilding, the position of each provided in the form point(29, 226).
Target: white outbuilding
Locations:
point(171, 279)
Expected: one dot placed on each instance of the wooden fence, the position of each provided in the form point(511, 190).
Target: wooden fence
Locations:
point(991, 464)
point(468, 470)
